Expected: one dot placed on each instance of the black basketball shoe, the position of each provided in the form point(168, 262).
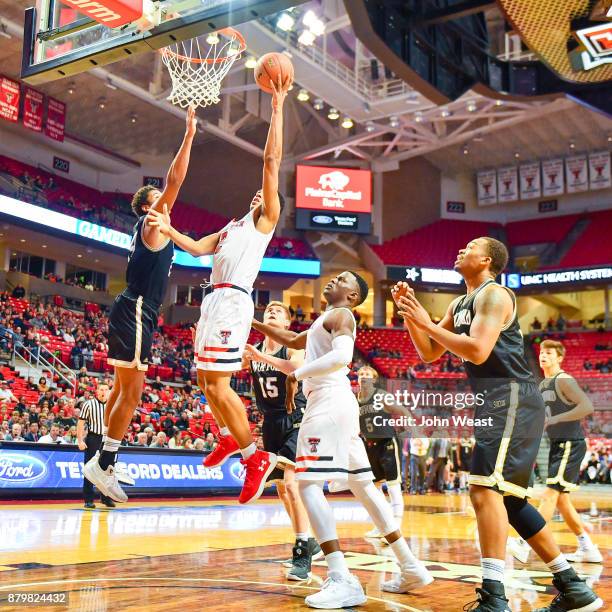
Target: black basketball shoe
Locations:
point(574, 594)
point(491, 598)
point(302, 560)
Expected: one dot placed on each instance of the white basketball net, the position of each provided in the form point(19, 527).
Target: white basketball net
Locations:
point(198, 66)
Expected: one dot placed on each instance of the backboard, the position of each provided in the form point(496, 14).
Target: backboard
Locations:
point(60, 41)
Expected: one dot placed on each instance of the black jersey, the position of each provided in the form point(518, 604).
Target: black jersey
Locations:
point(148, 271)
point(567, 430)
point(373, 429)
point(270, 390)
point(507, 359)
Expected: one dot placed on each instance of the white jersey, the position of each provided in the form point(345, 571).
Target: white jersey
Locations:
point(239, 253)
point(319, 343)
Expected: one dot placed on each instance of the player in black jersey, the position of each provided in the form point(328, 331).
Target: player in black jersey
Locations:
point(482, 328)
point(566, 406)
point(133, 317)
point(269, 364)
point(380, 440)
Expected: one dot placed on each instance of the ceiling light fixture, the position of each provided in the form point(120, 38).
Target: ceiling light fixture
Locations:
point(285, 22)
point(306, 38)
point(471, 106)
point(394, 121)
point(303, 95)
point(212, 39)
point(318, 104)
point(250, 62)
point(445, 113)
point(102, 103)
point(347, 123)
point(369, 126)
point(418, 117)
point(333, 114)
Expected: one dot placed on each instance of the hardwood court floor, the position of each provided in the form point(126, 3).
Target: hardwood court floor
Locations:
point(214, 555)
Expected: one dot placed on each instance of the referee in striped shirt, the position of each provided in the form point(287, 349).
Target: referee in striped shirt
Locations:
point(92, 415)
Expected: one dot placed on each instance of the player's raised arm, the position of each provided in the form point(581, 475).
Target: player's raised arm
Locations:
point(286, 337)
point(197, 248)
point(492, 309)
point(273, 154)
point(571, 393)
point(178, 168)
point(341, 325)
point(286, 366)
point(428, 349)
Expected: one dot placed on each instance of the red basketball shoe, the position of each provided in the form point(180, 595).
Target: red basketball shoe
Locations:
point(223, 451)
point(258, 467)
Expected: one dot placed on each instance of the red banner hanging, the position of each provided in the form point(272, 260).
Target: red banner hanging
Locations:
point(33, 109)
point(9, 99)
point(56, 119)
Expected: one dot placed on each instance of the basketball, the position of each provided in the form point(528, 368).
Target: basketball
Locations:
point(269, 67)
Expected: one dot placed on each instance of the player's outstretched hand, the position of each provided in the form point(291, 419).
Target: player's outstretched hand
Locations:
point(192, 121)
point(410, 309)
point(252, 354)
point(160, 220)
point(401, 289)
point(291, 387)
point(279, 93)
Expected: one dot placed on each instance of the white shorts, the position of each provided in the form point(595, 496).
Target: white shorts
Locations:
point(329, 446)
point(223, 330)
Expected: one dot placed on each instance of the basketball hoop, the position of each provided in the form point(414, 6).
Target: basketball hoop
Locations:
point(198, 66)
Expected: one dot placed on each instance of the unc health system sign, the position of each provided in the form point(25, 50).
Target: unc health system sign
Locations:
point(437, 276)
point(333, 199)
point(44, 468)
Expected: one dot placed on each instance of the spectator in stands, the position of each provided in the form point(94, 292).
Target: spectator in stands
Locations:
point(560, 323)
point(536, 325)
point(70, 436)
point(299, 314)
point(53, 437)
point(588, 364)
point(175, 440)
point(209, 442)
point(160, 441)
point(198, 445)
point(32, 434)
point(150, 433)
point(15, 435)
point(18, 292)
point(157, 384)
point(141, 439)
point(6, 393)
point(42, 384)
point(76, 357)
point(183, 421)
point(550, 324)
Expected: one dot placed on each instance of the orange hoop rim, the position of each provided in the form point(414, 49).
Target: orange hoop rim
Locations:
point(230, 33)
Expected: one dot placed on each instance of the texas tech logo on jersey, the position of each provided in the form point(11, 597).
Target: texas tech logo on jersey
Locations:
point(225, 336)
point(314, 444)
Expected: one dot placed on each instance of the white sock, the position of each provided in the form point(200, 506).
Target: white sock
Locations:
point(585, 542)
point(248, 451)
point(301, 536)
point(111, 445)
point(224, 431)
point(558, 564)
point(336, 564)
point(397, 500)
point(403, 553)
point(493, 569)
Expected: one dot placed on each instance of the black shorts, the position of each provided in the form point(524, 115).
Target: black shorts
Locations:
point(506, 451)
point(564, 459)
point(280, 434)
point(383, 454)
point(130, 332)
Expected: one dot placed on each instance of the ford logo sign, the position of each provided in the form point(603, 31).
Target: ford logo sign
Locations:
point(15, 467)
point(322, 219)
point(237, 471)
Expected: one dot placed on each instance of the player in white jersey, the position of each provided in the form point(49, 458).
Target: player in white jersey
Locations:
point(329, 447)
point(226, 313)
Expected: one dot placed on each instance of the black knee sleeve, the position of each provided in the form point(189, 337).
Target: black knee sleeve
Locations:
point(523, 516)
